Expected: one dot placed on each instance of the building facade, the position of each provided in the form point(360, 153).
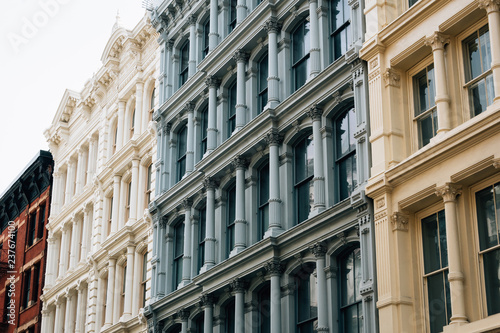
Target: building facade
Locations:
point(434, 78)
point(24, 209)
point(103, 141)
point(260, 221)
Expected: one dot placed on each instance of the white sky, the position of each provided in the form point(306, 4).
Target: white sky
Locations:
point(47, 46)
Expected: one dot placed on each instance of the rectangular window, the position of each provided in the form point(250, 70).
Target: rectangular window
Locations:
point(26, 289)
point(41, 222)
point(478, 74)
point(340, 22)
point(204, 129)
point(31, 229)
point(127, 206)
point(148, 185)
point(262, 83)
point(300, 55)
point(110, 215)
point(232, 16)
point(124, 285)
point(345, 127)
point(178, 253)
point(202, 222)
point(263, 215)
point(304, 172)
point(231, 216)
point(181, 152)
point(435, 252)
point(424, 95)
point(206, 38)
point(488, 219)
point(36, 282)
point(231, 113)
point(144, 277)
point(184, 64)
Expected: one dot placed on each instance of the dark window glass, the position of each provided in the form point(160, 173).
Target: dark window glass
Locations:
point(306, 300)
point(184, 64)
point(345, 127)
point(425, 105)
point(231, 114)
point(411, 2)
point(178, 253)
point(201, 236)
point(351, 311)
point(199, 323)
point(488, 217)
point(148, 185)
point(263, 215)
point(300, 55)
point(264, 299)
point(41, 222)
point(36, 281)
point(229, 310)
point(340, 22)
point(231, 216)
point(478, 74)
point(232, 16)
point(304, 172)
point(27, 290)
point(31, 230)
point(204, 129)
point(144, 277)
point(262, 83)
point(181, 153)
point(206, 32)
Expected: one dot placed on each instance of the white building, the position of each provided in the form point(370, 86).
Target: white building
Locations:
point(104, 146)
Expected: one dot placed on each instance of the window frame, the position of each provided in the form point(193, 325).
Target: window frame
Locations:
point(177, 258)
point(201, 236)
point(232, 93)
point(345, 27)
point(262, 207)
point(203, 131)
point(231, 21)
point(152, 104)
point(340, 158)
point(304, 59)
point(302, 182)
point(148, 190)
point(205, 39)
point(132, 121)
point(263, 92)
point(230, 221)
point(183, 70)
point(144, 278)
point(181, 159)
point(300, 274)
point(342, 307)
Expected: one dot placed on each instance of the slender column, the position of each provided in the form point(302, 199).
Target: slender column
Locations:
point(121, 124)
point(91, 160)
point(314, 33)
point(186, 260)
point(192, 45)
point(275, 269)
point(81, 310)
point(238, 286)
point(56, 188)
point(241, 11)
point(161, 283)
point(184, 316)
point(86, 238)
point(52, 254)
point(129, 281)
point(170, 75)
point(319, 176)
point(240, 165)
point(116, 203)
point(45, 319)
point(110, 292)
point(70, 181)
point(449, 193)
point(139, 87)
point(210, 186)
point(80, 172)
point(212, 83)
point(437, 41)
point(58, 321)
point(319, 251)
point(100, 304)
point(190, 138)
point(51, 321)
point(241, 58)
point(207, 303)
point(123, 201)
point(141, 191)
point(117, 293)
point(213, 36)
point(75, 244)
point(273, 140)
point(64, 251)
point(136, 282)
point(272, 27)
point(168, 154)
point(69, 320)
point(493, 9)
point(133, 191)
point(63, 198)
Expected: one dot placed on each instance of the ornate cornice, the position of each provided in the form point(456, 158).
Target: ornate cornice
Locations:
point(489, 5)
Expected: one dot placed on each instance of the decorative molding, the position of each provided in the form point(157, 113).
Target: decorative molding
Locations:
point(239, 162)
point(274, 267)
point(315, 112)
point(240, 56)
point(392, 78)
point(318, 249)
point(238, 285)
point(490, 5)
point(212, 81)
point(437, 41)
point(274, 137)
point(272, 25)
point(449, 191)
point(399, 221)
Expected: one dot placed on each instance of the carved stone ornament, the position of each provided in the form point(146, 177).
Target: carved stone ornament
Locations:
point(239, 162)
point(212, 81)
point(318, 249)
point(274, 267)
point(449, 191)
point(274, 137)
point(187, 203)
point(240, 55)
point(183, 314)
point(189, 107)
point(337, 98)
point(272, 25)
point(437, 41)
point(238, 285)
point(207, 300)
point(392, 78)
point(191, 19)
point(490, 5)
point(399, 221)
point(315, 112)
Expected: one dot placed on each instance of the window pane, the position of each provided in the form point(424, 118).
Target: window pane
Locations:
point(264, 298)
point(301, 71)
point(484, 40)
point(477, 97)
point(474, 58)
point(179, 240)
point(307, 304)
point(264, 185)
point(304, 159)
point(230, 317)
point(303, 201)
point(487, 224)
point(351, 319)
point(439, 301)
point(425, 129)
point(348, 280)
point(182, 142)
point(431, 244)
point(492, 280)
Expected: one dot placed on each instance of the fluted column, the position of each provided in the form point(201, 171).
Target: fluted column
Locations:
point(238, 286)
point(110, 292)
point(314, 41)
point(75, 242)
point(493, 9)
point(274, 139)
point(319, 175)
point(210, 186)
point(116, 203)
point(81, 309)
point(275, 269)
point(52, 254)
point(437, 41)
point(241, 58)
point(64, 251)
point(240, 164)
point(190, 138)
point(120, 124)
point(184, 316)
point(213, 36)
point(319, 251)
point(69, 320)
point(58, 321)
point(212, 83)
point(449, 193)
point(56, 188)
point(207, 304)
point(91, 160)
point(129, 281)
point(192, 45)
point(186, 260)
point(134, 191)
point(272, 27)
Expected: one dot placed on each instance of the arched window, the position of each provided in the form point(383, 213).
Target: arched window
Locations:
point(184, 64)
point(306, 300)
point(262, 83)
point(152, 104)
point(300, 55)
point(231, 113)
point(178, 254)
point(340, 25)
point(177, 328)
point(203, 129)
point(351, 311)
point(304, 172)
point(132, 125)
point(263, 202)
point(230, 217)
point(115, 138)
point(181, 152)
point(345, 157)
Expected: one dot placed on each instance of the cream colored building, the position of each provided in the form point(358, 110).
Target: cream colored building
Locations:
point(434, 87)
point(104, 146)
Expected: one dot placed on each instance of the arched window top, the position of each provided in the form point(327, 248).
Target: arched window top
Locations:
point(152, 100)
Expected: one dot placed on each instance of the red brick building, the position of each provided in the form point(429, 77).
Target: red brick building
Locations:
point(24, 210)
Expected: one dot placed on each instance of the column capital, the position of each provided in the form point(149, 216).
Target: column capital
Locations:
point(272, 25)
point(490, 5)
point(238, 285)
point(187, 203)
point(209, 183)
point(449, 191)
point(183, 314)
point(315, 112)
point(189, 107)
point(207, 300)
point(191, 19)
point(163, 221)
point(212, 81)
point(274, 137)
point(437, 41)
point(240, 56)
point(240, 162)
point(167, 128)
point(169, 44)
point(274, 267)
point(318, 249)
point(399, 221)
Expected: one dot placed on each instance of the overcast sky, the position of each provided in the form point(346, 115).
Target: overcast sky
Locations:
point(47, 46)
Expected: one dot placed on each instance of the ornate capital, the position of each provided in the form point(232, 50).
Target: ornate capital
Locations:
point(272, 25)
point(392, 78)
point(274, 137)
point(209, 183)
point(449, 191)
point(238, 285)
point(318, 249)
point(437, 41)
point(163, 221)
point(183, 314)
point(191, 19)
point(274, 267)
point(207, 300)
point(490, 5)
point(315, 112)
point(170, 44)
point(189, 107)
point(212, 81)
point(187, 203)
point(399, 221)
point(240, 162)
point(166, 128)
point(240, 55)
